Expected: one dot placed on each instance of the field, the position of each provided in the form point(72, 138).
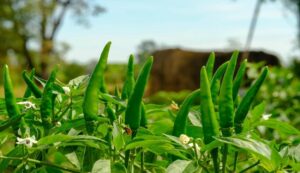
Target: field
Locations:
point(103, 123)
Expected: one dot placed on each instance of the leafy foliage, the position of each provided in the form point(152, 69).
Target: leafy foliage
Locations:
point(64, 145)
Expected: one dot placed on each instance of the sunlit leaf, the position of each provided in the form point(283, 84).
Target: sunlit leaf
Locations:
point(101, 166)
point(178, 166)
point(280, 126)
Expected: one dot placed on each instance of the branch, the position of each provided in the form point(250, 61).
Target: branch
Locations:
point(43, 20)
point(60, 17)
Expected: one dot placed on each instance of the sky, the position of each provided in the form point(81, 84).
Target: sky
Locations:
point(189, 24)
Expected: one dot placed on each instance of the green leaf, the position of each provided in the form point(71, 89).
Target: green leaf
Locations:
point(16, 152)
point(281, 127)
point(118, 168)
point(211, 146)
point(194, 131)
point(101, 166)
point(192, 167)
point(118, 139)
point(156, 144)
point(176, 140)
point(249, 144)
point(267, 155)
point(145, 143)
point(77, 123)
point(49, 140)
point(178, 166)
point(72, 157)
point(161, 126)
point(111, 99)
point(78, 80)
point(258, 111)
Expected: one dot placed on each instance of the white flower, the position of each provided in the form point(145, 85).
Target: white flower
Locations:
point(184, 139)
point(58, 124)
point(27, 104)
point(29, 141)
point(266, 116)
point(66, 90)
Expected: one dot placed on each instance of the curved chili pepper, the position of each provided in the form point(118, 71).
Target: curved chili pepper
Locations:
point(210, 65)
point(12, 108)
point(32, 86)
point(133, 110)
point(96, 84)
point(226, 105)
point(47, 101)
point(245, 104)
point(238, 79)
point(129, 82)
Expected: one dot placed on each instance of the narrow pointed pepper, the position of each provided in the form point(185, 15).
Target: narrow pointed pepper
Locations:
point(238, 79)
point(226, 105)
point(133, 110)
point(208, 116)
point(245, 104)
point(129, 81)
point(95, 85)
point(210, 65)
point(32, 86)
point(12, 108)
point(47, 101)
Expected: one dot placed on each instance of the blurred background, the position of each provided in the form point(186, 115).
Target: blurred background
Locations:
point(41, 34)
point(71, 33)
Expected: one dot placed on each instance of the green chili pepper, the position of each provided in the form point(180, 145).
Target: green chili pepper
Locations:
point(215, 82)
point(226, 105)
point(208, 116)
point(47, 101)
point(143, 116)
point(181, 118)
point(28, 90)
point(32, 86)
point(129, 82)
point(96, 84)
point(12, 108)
point(238, 79)
point(210, 65)
point(245, 104)
point(133, 110)
point(215, 91)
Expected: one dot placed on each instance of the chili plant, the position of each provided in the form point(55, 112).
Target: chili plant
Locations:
point(81, 126)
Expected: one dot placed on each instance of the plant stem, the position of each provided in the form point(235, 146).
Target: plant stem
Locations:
point(235, 160)
point(127, 154)
point(41, 163)
point(224, 158)
point(214, 154)
point(142, 161)
point(204, 167)
point(251, 166)
point(195, 149)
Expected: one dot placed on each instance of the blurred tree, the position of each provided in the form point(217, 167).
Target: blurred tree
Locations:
point(294, 6)
point(29, 28)
point(252, 27)
point(145, 49)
